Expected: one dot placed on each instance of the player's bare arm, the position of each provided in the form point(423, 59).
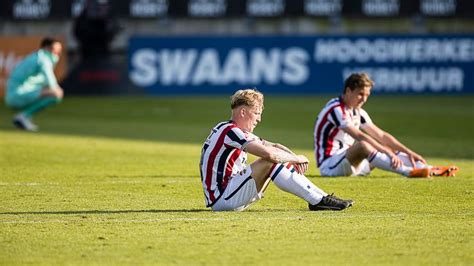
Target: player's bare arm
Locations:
point(390, 141)
point(358, 135)
point(277, 145)
point(274, 154)
point(300, 167)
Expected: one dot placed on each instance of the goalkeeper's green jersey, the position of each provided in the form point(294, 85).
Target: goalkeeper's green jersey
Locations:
point(37, 70)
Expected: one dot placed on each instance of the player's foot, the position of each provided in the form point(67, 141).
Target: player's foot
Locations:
point(444, 170)
point(331, 202)
point(420, 172)
point(23, 122)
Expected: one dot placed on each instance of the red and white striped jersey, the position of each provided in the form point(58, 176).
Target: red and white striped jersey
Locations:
point(328, 134)
point(223, 155)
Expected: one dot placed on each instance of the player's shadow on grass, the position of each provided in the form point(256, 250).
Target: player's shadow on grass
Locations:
point(105, 212)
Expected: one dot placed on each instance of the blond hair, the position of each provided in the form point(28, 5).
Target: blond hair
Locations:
point(246, 97)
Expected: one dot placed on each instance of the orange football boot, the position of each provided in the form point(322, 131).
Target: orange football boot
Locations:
point(444, 170)
point(420, 172)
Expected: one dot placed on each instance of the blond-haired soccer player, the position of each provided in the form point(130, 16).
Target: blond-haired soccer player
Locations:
point(231, 185)
point(347, 141)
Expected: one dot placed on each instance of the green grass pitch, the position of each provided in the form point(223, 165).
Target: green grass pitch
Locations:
point(113, 181)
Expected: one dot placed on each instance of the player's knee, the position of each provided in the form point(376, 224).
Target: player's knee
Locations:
point(55, 93)
point(59, 94)
point(365, 147)
point(261, 168)
point(266, 164)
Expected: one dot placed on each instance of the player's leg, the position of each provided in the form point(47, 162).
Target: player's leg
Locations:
point(18, 97)
point(241, 191)
point(406, 160)
point(434, 170)
point(339, 165)
point(285, 177)
point(245, 188)
point(381, 160)
point(47, 98)
point(33, 102)
point(358, 152)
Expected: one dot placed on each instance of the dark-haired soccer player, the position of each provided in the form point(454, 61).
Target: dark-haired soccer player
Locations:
point(32, 85)
point(231, 185)
point(347, 142)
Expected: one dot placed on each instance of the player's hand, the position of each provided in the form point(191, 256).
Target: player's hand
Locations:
point(396, 162)
point(301, 168)
point(301, 165)
point(302, 159)
point(414, 157)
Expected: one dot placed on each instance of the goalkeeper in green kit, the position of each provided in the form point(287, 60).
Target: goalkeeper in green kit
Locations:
point(32, 85)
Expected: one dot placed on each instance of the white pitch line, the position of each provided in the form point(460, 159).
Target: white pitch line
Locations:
point(344, 216)
point(142, 221)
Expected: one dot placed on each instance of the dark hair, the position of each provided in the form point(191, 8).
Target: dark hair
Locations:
point(357, 80)
point(48, 42)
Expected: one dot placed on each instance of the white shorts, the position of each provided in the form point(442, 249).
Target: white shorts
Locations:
point(240, 192)
point(338, 165)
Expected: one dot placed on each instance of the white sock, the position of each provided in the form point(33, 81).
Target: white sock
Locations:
point(406, 161)
point(382, 161)
point(287, 179)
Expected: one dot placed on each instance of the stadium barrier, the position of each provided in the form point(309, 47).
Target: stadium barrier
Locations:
point(301, 64)
point(145, 9)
